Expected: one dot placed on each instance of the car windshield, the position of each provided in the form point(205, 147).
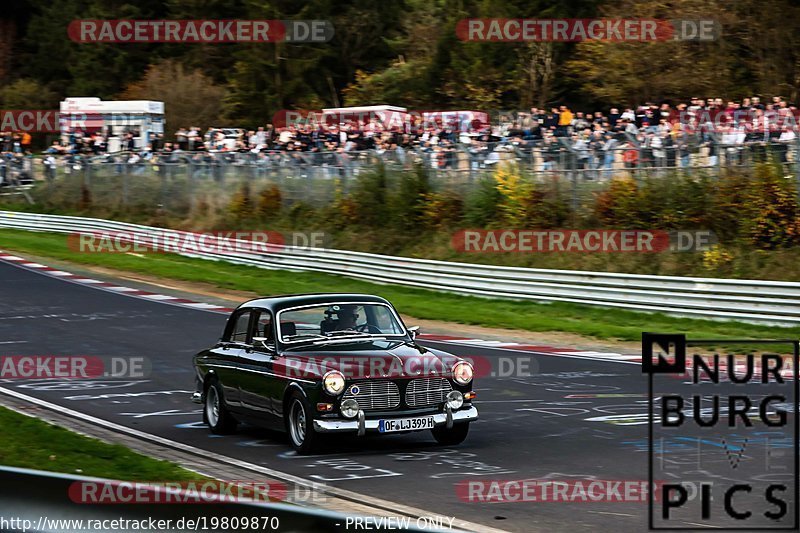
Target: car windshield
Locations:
point(336, 320)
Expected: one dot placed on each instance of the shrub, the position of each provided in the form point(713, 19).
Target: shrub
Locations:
point(408, 207)
point(482, 204)
point(619, 205)
point(514, 192)
point(772, 206)
point(241, 205)
point(270, 201)
point(442, 210)
point(369, 197)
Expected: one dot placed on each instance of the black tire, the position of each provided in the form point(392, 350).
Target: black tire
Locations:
point(299, 420)
point(450, 437)
point(215, 413)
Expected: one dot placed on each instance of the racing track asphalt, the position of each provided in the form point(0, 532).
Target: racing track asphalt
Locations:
point(548, 424)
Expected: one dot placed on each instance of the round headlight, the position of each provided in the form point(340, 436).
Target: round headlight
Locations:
point(349, 408)
point(333, 382)
point(455, 400)
point(462, 372)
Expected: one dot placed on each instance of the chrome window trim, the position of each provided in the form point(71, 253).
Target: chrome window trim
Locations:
point(308, 306)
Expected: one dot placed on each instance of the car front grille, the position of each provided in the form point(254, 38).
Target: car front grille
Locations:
point(374, 395)
point(423, 392)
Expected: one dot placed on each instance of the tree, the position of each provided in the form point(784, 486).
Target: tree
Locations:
point(27, 94)
point(190, 97)
point(756, 52)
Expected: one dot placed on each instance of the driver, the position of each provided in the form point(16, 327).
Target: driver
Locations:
point(346, 318)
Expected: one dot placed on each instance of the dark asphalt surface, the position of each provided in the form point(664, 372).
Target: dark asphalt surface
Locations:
point(564, 418)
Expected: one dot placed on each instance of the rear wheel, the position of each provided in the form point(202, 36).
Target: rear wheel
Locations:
point(216, 415)
point(300, 424)
point(450, 437)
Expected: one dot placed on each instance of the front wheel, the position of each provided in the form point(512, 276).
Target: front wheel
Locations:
point(215, 414)
point(450, 437)
point(300, 424)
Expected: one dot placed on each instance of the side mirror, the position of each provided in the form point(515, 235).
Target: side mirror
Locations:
point(414, 331)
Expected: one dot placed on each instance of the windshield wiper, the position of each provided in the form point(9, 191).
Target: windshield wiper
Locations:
point(348, 333)
point(303, 336)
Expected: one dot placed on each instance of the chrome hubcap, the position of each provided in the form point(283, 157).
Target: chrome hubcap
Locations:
point(212, 406)
point(298, 423)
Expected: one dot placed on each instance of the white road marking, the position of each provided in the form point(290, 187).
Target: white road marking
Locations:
point(170, 412)
point(200, 305)
point(603, 355)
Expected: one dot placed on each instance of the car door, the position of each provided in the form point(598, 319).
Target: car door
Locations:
point(228, 351)
point(260, 386)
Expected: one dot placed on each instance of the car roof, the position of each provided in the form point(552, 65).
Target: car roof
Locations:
point(285, 301)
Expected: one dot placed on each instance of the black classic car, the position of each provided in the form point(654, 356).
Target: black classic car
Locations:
point(323, 363)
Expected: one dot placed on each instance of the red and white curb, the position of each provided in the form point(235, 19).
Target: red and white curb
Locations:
point(183, 302)
point(112, 287)
point(550, 350)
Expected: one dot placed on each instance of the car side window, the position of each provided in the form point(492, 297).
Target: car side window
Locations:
point(264, 326)
point(240, 328)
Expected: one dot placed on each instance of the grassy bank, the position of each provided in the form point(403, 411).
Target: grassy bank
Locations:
point(573, 318)
point(31, 443)
point(752, 213)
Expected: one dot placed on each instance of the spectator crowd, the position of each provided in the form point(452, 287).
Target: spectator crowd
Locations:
point(597, 142)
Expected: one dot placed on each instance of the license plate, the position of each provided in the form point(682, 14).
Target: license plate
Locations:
point(405, 424)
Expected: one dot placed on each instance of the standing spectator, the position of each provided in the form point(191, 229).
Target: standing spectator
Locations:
point(49, 167)
point(787, 137)
point(181, 136)
point(551, 120)
point(194, 139)
point(565, 118)
point(659, 153)
point(630, 155)
point(25, 142)
point(580, 145)
point(550, 151)
point(609, 151)
point(579, 123)
point(682, 148)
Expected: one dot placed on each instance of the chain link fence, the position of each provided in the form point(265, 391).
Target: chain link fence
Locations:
point(183, 181)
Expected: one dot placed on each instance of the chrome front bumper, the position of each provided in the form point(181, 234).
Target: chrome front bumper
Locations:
point(361, 425)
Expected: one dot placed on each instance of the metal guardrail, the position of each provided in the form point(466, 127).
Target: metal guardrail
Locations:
point(772, 302)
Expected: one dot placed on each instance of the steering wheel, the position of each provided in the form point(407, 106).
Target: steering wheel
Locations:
point(368, 328)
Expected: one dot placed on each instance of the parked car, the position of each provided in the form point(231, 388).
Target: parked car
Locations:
point(314, 364)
